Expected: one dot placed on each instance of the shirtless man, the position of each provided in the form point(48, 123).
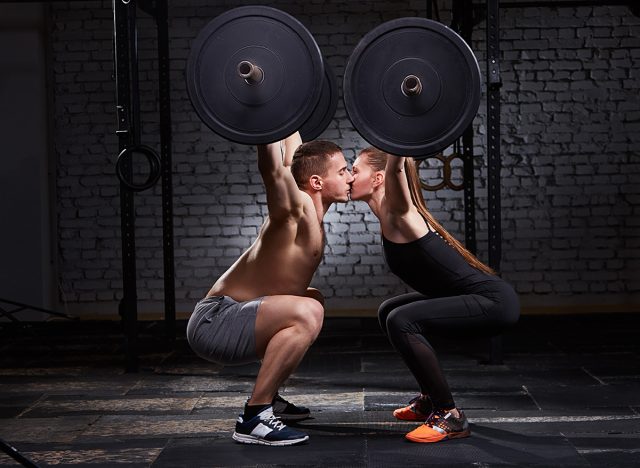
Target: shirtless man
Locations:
point(262, 306)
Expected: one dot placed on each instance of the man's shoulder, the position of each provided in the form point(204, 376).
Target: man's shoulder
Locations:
point(305, 196)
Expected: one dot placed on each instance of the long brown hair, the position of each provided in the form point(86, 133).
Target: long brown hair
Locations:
point(377, 159)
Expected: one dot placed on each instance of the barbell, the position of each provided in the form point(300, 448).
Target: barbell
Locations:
point(255, 75)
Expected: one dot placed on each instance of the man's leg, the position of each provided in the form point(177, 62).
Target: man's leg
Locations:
point(286, 326)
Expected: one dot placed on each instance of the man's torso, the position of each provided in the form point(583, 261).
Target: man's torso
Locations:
point(282, 260)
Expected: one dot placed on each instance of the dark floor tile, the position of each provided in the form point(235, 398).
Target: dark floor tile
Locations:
point(63, 429)
point(127, 453)
point(151, 384)
point(610, 442)
point(314, 364)
point(495, 401)
point(611, 450)
point(247, 370)
point(578, 397)
point(575, 396)
point(13, 405)
point(567, 425)
point(568, 376)
point(612, 458)
point(132, 404)
point(84, 385)
point(224, 452)
point(484, 448)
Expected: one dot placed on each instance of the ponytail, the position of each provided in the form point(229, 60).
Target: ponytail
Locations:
point(415, 189)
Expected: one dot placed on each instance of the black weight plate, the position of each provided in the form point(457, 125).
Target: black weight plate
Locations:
point(292, 66)
point(408, 125)
point(323, 114)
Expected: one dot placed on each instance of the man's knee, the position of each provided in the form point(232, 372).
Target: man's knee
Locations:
point(309, 315)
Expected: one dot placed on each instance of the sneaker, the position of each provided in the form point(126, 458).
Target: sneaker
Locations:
point(266, 429)
point(440, 425)
point(288, 411)
point(418, 410)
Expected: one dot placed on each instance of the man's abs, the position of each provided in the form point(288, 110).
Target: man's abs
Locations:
point(257, 274)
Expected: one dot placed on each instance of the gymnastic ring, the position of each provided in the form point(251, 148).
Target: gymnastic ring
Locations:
point(154, 165)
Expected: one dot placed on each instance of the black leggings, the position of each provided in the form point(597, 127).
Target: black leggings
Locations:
point(407, 318)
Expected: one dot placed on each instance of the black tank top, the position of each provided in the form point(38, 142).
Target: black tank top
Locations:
point(434, 268)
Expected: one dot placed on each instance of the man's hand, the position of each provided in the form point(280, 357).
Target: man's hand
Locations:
point(290, 145)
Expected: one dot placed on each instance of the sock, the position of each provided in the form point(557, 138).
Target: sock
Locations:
point(450, 410)
point(250, 411)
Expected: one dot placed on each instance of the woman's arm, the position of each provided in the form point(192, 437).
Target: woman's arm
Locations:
point(396, 186)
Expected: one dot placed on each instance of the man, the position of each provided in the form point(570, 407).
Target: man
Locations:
point(262, 306)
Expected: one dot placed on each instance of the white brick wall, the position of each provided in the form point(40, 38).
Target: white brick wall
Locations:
point(570, 135)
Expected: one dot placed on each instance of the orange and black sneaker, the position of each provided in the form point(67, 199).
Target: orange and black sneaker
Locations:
point(440, 425)
point(418, 410)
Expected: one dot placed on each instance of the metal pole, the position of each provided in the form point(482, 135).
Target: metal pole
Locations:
point(493, 152)
point(463, 24)
point(166, 168)
point(16, 455)
point(124, 45)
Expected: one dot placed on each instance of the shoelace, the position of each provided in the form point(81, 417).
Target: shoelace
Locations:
point(439, 418)
point(433, 418)
point(415, 404)
point(274, 422)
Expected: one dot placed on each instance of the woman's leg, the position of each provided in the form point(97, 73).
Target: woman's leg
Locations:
point(390, 304)
point(408, 323)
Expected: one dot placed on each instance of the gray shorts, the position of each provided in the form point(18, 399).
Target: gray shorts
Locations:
point(223, 330)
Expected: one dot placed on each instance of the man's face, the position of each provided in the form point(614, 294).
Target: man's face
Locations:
point(336, 185)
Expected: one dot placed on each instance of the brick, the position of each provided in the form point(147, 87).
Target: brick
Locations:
point(569, 120)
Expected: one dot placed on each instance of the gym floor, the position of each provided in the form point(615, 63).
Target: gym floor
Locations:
point(568, 394)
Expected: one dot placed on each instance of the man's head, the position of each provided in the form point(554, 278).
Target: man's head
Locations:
point(320, 166)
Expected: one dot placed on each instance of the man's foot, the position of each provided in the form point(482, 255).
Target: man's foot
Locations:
point(266, 429)
point(288, 411)
point(441, 425)
point(418, 410)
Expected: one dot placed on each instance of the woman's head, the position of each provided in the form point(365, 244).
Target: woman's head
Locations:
point(368, 173)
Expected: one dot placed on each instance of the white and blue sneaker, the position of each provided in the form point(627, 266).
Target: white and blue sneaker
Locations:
point(266, 429)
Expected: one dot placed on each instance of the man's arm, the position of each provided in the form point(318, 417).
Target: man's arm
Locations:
point(396, 186)
point(284, 198)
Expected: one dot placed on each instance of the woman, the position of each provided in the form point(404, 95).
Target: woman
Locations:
point(455, 292)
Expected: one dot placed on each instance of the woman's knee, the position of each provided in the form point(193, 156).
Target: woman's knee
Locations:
point(394, 321)
point(509, 307)
point(383, 313)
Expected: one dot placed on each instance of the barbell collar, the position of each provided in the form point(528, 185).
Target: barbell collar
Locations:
point(411, 86)
point(251, 73)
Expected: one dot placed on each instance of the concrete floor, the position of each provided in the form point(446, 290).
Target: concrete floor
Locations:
point(568, 394)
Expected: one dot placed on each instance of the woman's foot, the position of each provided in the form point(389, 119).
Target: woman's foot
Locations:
point(418, 409)
point(441, 425)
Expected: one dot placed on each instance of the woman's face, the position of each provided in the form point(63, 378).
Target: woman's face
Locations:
point(363, 178)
